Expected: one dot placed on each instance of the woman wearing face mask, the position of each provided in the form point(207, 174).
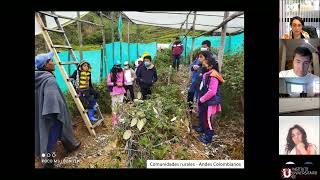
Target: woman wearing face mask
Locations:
point(296, 31)
point(199, 71)
point(147, 76)
point(116, 83)
point(210, 98)
point(297, 143)
point(129, 76)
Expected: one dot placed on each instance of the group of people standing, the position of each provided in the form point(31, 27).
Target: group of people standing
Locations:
point(120, 81)
point(52, 117)
point(205, 88)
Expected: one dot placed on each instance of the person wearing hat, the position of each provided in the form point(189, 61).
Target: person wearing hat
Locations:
point(82, 77)
point(52, 117)
point(115, 83)
point(147, 76)
point(137, 63)
point(141, 65)
point(129, 76)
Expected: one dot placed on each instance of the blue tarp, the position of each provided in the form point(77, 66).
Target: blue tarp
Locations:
point(232, 43)
point(135, 51)
point(94, 58)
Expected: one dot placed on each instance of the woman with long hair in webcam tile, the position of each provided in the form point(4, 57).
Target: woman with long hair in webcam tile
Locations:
point(297, 143)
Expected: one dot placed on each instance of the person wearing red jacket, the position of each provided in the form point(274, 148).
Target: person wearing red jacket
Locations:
point(177, 48)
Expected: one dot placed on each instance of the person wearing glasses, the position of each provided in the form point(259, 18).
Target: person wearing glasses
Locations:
point(296, 31)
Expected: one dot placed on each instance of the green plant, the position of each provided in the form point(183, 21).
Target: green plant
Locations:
point(150, 126)
point(161, 152)
point(233, 88)
point(104, 99)
point(182, 153)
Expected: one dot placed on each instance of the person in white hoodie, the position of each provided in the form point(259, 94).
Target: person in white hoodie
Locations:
point(301, 61)
point(130, 76)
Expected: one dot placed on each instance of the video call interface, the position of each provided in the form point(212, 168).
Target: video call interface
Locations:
point(167, 90)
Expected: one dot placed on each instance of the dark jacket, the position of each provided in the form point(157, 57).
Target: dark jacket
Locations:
point(195, 74)
point(147, 77)
point(198, 79)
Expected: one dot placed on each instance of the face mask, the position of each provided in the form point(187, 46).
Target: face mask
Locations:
point(204, 49)
point(126, 67)
point(147, 64)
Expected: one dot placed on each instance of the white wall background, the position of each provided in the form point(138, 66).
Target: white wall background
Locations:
point(298, 104)
point(309, 123)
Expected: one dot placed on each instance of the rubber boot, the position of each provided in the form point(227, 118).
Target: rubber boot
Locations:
point(93, 104)
point(90, 115)
point(199, 129)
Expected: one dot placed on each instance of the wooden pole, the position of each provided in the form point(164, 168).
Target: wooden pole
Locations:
point(193, 29)
point(138, 35)
point(222, 42)
point(112, 35)
point(185, 47)
point(101, 63)
point(129, 42)
point(104, 57)
point(80, 36)
point(120, 43)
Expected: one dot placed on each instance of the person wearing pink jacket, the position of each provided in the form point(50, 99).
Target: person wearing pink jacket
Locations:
point(209, 98)
point(116, 88)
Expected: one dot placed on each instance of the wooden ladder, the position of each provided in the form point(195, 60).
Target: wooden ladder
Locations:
point(62, 70)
